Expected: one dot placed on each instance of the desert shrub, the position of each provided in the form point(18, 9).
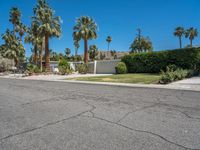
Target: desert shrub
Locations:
point(171, 74)
point(82, 68)
point(63, 67)
point(154, 62)
point(180, 74)
point(121, 68)
point(31, 68)
point(37, 69)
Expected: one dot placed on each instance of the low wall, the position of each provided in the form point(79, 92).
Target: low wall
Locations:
point(103, 67)
point(98, 67)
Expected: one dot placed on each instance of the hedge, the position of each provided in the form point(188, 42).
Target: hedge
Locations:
point(154, 62)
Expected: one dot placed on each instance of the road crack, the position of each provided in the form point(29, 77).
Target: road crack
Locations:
point(45, 125)
point(140, 109)
point(142, 131)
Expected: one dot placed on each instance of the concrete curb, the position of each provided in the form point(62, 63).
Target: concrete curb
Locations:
point(154, 86)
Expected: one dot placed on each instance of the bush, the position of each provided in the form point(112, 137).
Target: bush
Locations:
point(171, 75)
point(31, 68)
point(154, 62)
point(63, 67)
point(5, 64)
point(82, 68)
point(121, 68)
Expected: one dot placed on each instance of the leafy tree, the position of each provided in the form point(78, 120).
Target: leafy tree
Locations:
point(179, 32)
point(85, 29)
point(142, 45)
point(93, 52)
point(191, 33)
point(49, 26)
point(146, 44)
point(109, 40)
point(15, 16)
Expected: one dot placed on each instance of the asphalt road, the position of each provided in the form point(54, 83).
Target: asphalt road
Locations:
point(39, 115)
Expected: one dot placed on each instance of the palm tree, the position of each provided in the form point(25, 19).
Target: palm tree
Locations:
point(34, 38)
point(13, 49)
point(49, 26)
point(67, 52)
point(21, 29)
point(191, 33)
point(109, 39)
point(179, 32)
point(85, 29)
point(76, 45)
point(15, 15)
point(93, 52)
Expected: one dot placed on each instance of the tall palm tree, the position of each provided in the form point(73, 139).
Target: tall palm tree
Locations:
point(34, 38)
point(109, 40)
point(49, 26)
point(15, 16)
point(85, 29)
point(191, 33)
point(179, 32)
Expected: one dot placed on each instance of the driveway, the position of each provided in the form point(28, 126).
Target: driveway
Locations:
point(42, 115)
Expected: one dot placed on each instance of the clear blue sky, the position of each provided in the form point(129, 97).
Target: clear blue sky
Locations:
point(118, 18)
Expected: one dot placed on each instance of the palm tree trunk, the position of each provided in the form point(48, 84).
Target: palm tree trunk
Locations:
point(35, 55)
point(86, 51)
point(76, 51)
point(191, 43)
point(108, 46)
point(16, 62)
point(47, 55)
point(41, 57)
point(180, 42)
point(14, 29)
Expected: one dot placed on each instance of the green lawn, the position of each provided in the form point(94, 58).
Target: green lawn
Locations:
point(143, 78)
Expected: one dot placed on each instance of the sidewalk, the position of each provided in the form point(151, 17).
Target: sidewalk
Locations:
point(188, 84)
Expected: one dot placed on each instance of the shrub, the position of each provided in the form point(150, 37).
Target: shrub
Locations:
point(171, 75)
point(5, 64)
point(154, 62)
point(82, 68)
point(31, 68)
point(121, 68)
point(63, 66)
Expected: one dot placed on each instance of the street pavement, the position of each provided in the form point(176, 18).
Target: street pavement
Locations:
point(43, 115)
